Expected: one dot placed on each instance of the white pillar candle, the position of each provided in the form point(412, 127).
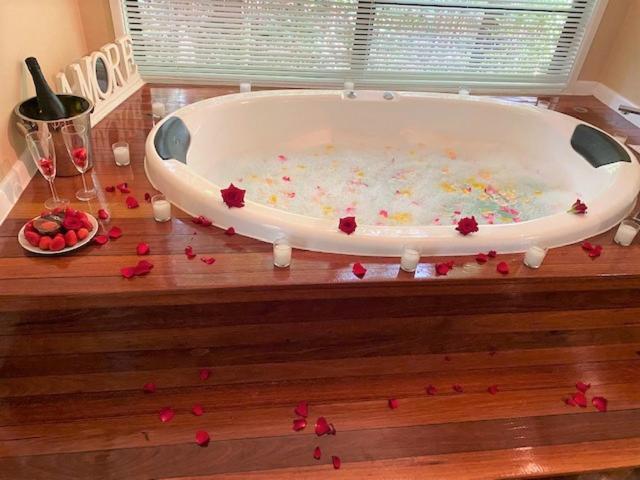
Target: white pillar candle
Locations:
point(349, 85)
point(121, 153)
point(161, 208)
point(410, 259)
point(627, 231)
point(158, 110)
point(245, 87)
point(534, 257)
point(281, 253)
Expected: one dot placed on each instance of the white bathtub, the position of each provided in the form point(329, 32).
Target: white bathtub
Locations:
point(354, 157)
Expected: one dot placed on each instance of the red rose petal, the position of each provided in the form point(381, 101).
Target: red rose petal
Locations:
point(431, 390)
point(233, 196)
point(587, 246)
point(302, 409)
point(197, 410)
point(128, 272)
point(600, 403)
point(482, 258)
point(336, 462)
point(503, 268)
point(569, 401)
point(579, 399)
point(299, 424)
point(114, 233)
point(579, 207)
point(596, 251)
point(457, 388)
point(147, 197)
point(444, 268)
point(230, 231)
point(167, 414)
point(583, 387)
point(359, 270)
point(202, 220)
point(492, 254)
point(322, 427)
point(103, 214)
point(208, 260)
point(202, 438)
point(348, 225)
point(143, 267)
point(123, 187)
point(317, 453)
point(393, 403)
point(188, 251)
point(100, 239)
point(204, 374)
point(142, 248)
point(131, 202)
point(493, 389)
point(110, 188)
point(467, 225)
point(149, 387)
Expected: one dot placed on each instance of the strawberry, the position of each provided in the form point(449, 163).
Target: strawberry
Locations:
point(82, 233)
point(33, 238)
point(57, 243)
point(86, 223)
point(29, 226)
point(45, 243)
point(70, 238)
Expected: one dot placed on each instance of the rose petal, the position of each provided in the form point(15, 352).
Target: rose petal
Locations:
point(131, 202)
point(202, 438)
point(149, 387)
point(600, 403)
point(587, 246)
point(493, 389)
point(100, 239)
point(596, 251)
point(482, 258)
point(197, 410)
point(142, 248)
point(579, 207)
point(431, 390)
point(208, 260)
point(204, 374)
point(123, 187)
point(230, 231)
point(583, 387)
point(114, 233)
point(503, 268)
point(202, 220)
point(110, 188)
point(579, 399)
point(336, 462)
point(359, 270)
point(322, 427)
point(143, 267)
point(317, 453)
point(457, 388)
point(393, 403)
point(492, 254)
point(302, 409)
point(443, 268)
point(188, 251)
point(147, 197)
point(128, 272)
point(103, 214)
point(166, 414)
point(347, 225)
point(299, 424)
point(569, 401)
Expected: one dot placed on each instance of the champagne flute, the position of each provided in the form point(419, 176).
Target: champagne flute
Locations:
point(40, 145)
point(77, 143)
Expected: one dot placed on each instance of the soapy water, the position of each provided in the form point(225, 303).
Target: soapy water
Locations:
point(392, 186)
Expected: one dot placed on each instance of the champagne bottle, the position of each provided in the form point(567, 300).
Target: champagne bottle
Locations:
point(51, 108)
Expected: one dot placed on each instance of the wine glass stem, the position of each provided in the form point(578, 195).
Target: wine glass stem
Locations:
point(84, 183)
point(54, 193)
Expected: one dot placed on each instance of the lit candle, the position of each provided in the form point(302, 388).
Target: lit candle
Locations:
point(121, 153)
point(161, 208)
point(349, 85)
point(158, 110)
point(534, 257)
point(627, 231)
point(281, 253)
point(245, 87)
point(410, 259)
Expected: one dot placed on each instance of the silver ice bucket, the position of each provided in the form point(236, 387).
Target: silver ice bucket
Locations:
point(79, 110)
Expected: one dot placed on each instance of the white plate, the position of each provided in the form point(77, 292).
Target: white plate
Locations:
point(27, 246)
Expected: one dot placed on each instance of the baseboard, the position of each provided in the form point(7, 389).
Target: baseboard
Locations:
point(606, 95)
point(14, 183)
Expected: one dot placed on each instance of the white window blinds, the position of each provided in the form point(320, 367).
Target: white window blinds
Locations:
point(402, 43)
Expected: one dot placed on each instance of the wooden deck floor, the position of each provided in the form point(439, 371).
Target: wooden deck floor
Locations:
point(77, 344)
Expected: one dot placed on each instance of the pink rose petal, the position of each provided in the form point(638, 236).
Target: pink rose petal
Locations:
point(299, 424)
point(131, 202)
point(600, 403)
point(202, 438)
point(128, 272)
point(583, 387)
point(142, 248)
point(302, 409)
point(317, 453)
point(322, 427)
point(336, 462)
point(103, 214)
point(114, 233)
point(579, 399)
point(503, 268)
point(393, 403)
point(167, 414)
point(359, 270)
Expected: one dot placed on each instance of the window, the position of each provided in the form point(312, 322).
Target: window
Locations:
point(402, 43)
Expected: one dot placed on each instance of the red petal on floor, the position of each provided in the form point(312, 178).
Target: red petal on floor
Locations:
point(359, 270)
point(114, 233)
point(583, 387)
point(208, 260)
point(569, 401)
point(493, 389)
point(204, 374)
point(492, 254)
point(317, 453)
point(167, 414)
point(299, 424)
point(147, 197)
point(443, 268)
point(482, 258)
point(188, 251)
point(431, 390)
point(110, 188)
point(142, 248)
point(100, 239)
point(143, 267)
point(457, 388)
point(587, 246)
point(302, 409)
point(128, 272)
point(103, 214)
point(149, 387)
point(322, 427)
point(202, 438)
point(131, 202)
point(393, 403)
point(336, 462)
point(579, 399)
point(230, 231)
point(123, 187)
point(197, 410)
point(600, 403)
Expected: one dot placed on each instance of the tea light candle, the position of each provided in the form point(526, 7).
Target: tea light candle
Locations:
point(410, 259)
point(281, 253)
point(245, 87)
point(161, 208)
point(627, 231)
point(349, 85)
point(158, 110)
point(121, 153)
point(534, 256)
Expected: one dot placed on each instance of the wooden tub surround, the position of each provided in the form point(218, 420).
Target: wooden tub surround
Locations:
point(78, 342)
